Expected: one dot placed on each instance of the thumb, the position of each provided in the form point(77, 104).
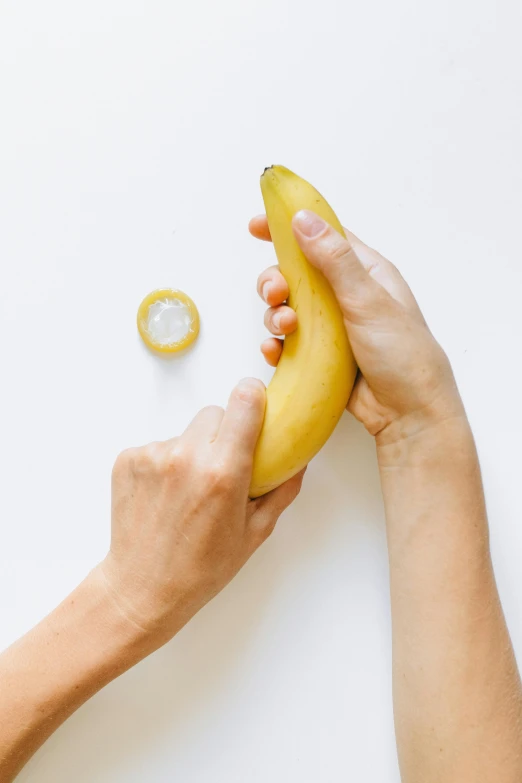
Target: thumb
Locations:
point(334, 255)
point(242, 422)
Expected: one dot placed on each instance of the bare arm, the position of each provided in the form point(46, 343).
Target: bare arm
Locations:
point(182, 526)
point(457, 697)
point(457, 694)
point(45, 676)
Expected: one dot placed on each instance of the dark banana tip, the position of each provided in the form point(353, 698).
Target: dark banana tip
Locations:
point(267, 168)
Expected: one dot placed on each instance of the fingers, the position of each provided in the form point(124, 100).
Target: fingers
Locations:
point(335, 256)
point(258, 227)
point(378, 267)
point(242, 422)
point(281, 320)
point(272, 286)
point(362, 279)
point(272, 350)
point(206, 423)
point(269, 508)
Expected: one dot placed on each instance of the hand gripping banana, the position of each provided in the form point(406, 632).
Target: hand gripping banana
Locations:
point(315, 375)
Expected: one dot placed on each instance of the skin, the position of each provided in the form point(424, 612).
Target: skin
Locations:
point(456, 688)
point(182, 526)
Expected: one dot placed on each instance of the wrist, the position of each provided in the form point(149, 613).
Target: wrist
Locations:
point(123, 641)
point(149, 616)
point(426, 440)
point(434, 500)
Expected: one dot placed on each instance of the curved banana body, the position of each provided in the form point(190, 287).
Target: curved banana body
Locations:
point(315, 375)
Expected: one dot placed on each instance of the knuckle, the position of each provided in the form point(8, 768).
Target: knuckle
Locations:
point(175, 458)
point(221, 478)
point(339, 251)
point(124, 461)
point(133, 460)
point(146, 459)
point(154, 458)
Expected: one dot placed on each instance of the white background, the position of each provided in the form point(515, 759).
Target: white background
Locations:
point(132, 136)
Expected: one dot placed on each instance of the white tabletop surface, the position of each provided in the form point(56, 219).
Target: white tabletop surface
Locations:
point(132, 136)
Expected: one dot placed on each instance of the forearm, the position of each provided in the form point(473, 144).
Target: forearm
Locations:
point(45, 676)
point(457, 697)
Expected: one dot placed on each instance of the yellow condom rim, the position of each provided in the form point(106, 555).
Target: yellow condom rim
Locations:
point(142, 320)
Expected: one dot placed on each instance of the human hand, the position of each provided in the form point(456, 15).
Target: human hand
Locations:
point(182, 522)
point(405, 382)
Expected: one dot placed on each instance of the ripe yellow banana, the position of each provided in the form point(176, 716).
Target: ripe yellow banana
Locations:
point(316, 372)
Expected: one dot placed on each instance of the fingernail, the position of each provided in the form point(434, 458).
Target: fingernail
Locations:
point(265, 291)
point(308, 223)
point(276, 320)
point(249, 390)
point(248, 385)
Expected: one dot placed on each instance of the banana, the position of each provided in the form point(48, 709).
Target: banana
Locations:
point(315, 375)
